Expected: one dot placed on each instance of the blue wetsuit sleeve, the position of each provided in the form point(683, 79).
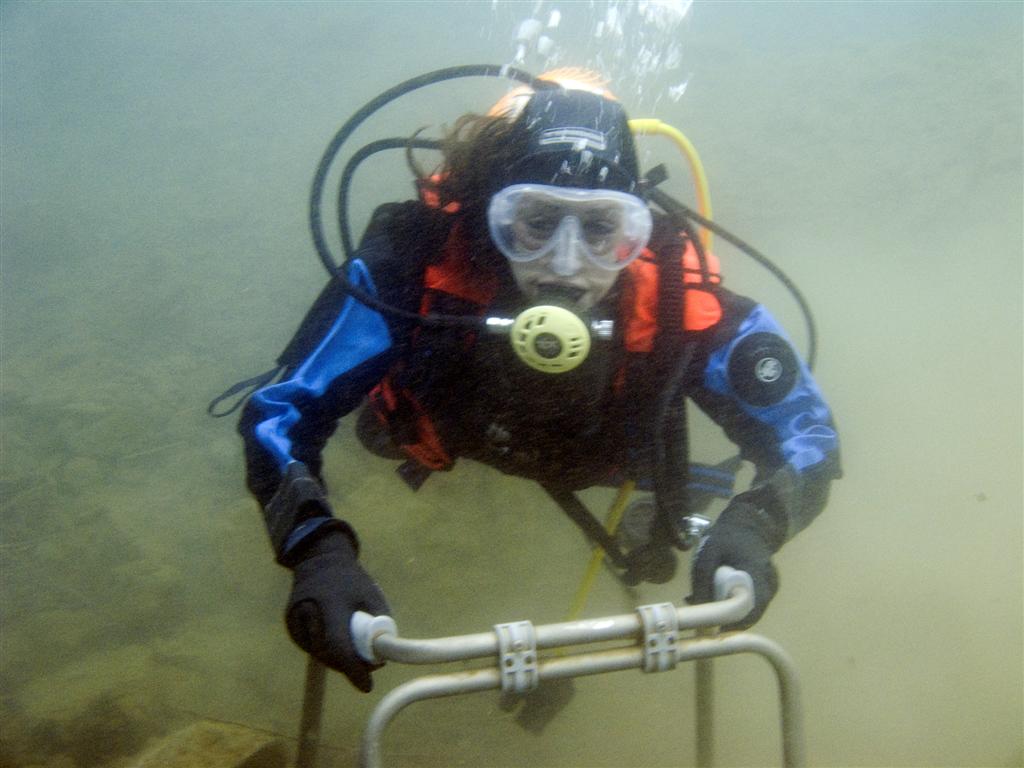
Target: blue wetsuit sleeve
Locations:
point(290, 421)
point(757, 389)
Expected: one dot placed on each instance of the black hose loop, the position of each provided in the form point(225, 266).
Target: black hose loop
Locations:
point(347, 246)
point(680, 213)
point(346, 130)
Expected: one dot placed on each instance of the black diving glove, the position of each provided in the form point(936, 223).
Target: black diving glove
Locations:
point(744, 537)
point(330, 585)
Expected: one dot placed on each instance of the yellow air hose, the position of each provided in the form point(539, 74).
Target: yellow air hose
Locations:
point(610, 524)
point(651, 126)
point(646, 127)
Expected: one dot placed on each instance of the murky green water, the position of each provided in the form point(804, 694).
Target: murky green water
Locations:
point(155, 168)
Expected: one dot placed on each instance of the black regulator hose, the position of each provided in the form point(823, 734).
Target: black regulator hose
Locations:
point(677, 210)
point(446, 321)
point(346, 130)
point(344, 185)
point(681, 213)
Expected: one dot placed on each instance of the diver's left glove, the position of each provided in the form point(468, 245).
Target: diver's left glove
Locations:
point(329, 583)
point(744, 537)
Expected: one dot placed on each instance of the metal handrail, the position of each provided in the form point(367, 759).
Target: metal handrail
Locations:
point(655, 645)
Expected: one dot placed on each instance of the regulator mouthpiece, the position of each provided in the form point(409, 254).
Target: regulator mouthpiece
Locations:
point(550, 339)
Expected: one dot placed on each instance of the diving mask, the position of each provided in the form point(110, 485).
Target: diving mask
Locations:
point(533, 221)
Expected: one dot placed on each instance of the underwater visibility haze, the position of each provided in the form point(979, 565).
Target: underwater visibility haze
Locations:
point(155, 162)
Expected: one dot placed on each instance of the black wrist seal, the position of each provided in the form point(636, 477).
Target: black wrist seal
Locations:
point(298, 514)
point(762, 518)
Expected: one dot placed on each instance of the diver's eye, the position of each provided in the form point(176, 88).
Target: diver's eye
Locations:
point(598, 230)
point(540, 227)
point(543, 223)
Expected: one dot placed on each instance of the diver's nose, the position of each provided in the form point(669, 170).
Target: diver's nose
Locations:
point(566, 260)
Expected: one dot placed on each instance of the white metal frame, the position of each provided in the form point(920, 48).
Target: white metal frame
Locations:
point(654, 644)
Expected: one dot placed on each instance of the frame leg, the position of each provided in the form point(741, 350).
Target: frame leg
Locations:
point(312, 709)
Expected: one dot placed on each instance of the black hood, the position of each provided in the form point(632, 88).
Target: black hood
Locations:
point(576, 139)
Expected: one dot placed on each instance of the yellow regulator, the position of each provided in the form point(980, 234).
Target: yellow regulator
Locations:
point(550, 339)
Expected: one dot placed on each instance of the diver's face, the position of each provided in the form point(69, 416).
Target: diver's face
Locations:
point(567, 245)
point(565, 235)
point(575, 280)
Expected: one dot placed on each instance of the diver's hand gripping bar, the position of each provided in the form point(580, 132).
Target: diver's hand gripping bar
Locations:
point(376, 637)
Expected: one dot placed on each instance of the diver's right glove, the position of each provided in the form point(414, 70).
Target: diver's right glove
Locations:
point(744, 537)
point(330, 585)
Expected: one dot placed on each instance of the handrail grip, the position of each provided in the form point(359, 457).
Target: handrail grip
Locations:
point(377, 634)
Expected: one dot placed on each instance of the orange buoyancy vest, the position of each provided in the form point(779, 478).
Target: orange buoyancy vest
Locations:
point(454, 274)
point(639, 305)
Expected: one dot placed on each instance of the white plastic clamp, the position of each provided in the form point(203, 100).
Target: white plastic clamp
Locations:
point(661, 632)
point(517, 656)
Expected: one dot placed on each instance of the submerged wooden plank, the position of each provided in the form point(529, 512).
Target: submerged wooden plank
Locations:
point(207, 744)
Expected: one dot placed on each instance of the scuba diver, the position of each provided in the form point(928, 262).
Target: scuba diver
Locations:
point(533, 311)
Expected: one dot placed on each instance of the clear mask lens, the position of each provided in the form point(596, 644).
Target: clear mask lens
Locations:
point(531, 221)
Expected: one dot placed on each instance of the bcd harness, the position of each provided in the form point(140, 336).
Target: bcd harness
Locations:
point(631, 426)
